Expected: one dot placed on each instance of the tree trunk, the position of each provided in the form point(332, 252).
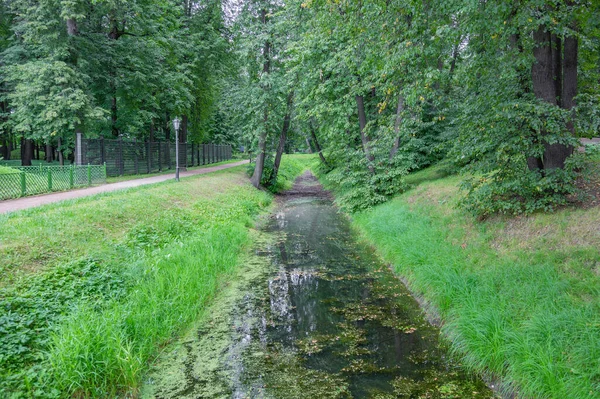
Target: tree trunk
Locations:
point(397, 123)
point(310, 151)
point(555, 81)
point(542, 76)
point(49, 152)
point(9, 148)
point(260, 156)
point(362, 121)
point(113, 113)
point(262, 139)
point(61, 158)
point(317, 146)
point(282, 138)
point(27, 152)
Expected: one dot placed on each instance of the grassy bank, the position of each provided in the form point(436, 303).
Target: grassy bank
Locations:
point(518, 297)
point(91, 289)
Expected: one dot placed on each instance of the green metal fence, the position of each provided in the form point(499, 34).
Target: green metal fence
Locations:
point(31, 180)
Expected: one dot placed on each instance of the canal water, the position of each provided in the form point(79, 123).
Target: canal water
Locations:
point(317, 315)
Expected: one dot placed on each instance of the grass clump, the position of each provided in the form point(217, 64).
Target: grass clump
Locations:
point(7, 171)
point(92, 288)
point(518, 298)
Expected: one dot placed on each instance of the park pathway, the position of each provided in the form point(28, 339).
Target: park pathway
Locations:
point(31, 202)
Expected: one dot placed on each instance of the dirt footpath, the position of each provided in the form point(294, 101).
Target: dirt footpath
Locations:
point(31, 202)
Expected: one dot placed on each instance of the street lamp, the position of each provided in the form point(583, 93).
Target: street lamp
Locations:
point(176, 123)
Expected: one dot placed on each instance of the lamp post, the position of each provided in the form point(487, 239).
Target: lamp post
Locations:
point(176, 123)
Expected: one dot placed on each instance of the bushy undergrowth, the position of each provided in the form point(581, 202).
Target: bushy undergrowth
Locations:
point(525, 309)
point(93, 288)
point(292, 165)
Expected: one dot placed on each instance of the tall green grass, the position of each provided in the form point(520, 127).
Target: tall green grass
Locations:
point(104, 353)
point(91, 289)
point(528, 315)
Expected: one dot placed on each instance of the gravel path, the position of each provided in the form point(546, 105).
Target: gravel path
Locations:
point(31, 202)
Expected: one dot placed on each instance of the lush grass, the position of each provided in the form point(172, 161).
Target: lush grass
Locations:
point(518, 298)
point(92, 288)
point(292, 165)
point(7, 171)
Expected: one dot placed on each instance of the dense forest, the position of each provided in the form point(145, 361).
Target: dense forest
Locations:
point(502, 90)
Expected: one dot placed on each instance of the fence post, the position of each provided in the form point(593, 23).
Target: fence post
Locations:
point(149, 157)
point(121, 164)
point(105, 175)
point(135, 159)
point(23, 184)
point(49, 179)
point(102, 150)
point(78, 151)
point(89, 174)
point(71, 177)
point(192, 154)
point(159, 160)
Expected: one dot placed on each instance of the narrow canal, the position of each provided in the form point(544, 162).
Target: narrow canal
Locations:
point(318, 316)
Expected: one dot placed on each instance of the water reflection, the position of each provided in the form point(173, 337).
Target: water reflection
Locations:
point(333, 320)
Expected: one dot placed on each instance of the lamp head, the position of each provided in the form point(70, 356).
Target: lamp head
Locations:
point(176, 123)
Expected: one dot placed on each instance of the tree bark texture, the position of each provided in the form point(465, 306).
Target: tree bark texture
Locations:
point(362, 122)
point(262, 139)
point(397, 123)
point(49, 154)
point(27, 152)
point(282, 138)
point(313, 135)
point(554, 78)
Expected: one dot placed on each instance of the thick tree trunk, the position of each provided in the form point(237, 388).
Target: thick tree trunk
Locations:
point(262, 139)
point(282, 138)
point(27, 152)
point(554, 79)
point(362, 122)
point(49, 152)
point(397, 123)
point(260, 157)
point(542, 76)
point(313, 134)
point(114, 113)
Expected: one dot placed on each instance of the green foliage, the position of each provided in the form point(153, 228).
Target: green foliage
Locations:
point(7, 171)
point(30, 310)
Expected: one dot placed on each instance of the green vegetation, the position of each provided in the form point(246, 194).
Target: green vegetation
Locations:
point(291, 167)
point(518, 298)
point(7, 171)
point(90, 290)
